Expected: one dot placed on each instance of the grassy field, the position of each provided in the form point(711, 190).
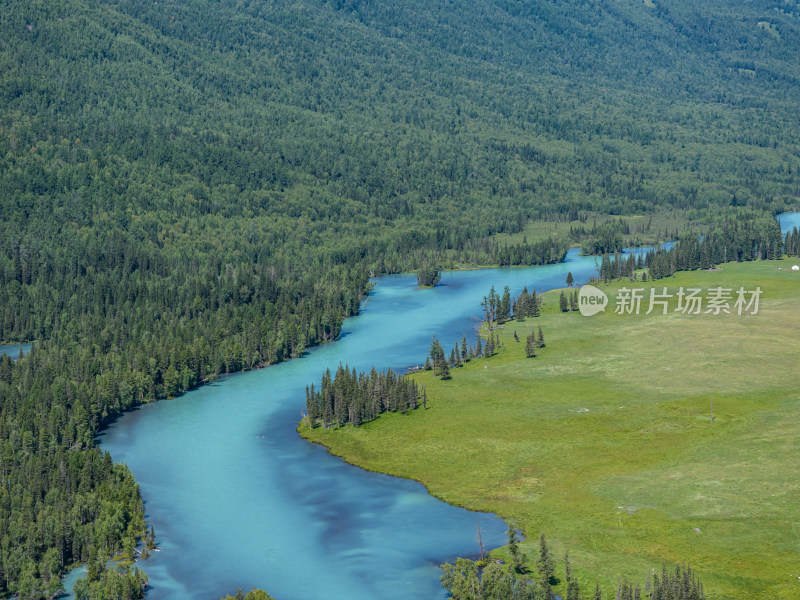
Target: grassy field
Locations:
point(669, 222)
point(604, 441)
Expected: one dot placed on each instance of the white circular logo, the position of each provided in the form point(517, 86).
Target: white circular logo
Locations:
point(591, 300)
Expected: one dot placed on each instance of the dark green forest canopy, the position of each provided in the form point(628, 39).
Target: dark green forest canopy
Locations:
point(191, 187)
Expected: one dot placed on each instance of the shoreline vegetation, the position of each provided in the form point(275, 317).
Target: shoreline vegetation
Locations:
point(675, 422)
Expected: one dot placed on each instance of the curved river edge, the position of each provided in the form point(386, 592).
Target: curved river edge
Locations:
point(793, 221)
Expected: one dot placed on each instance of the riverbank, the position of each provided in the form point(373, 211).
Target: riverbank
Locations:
point(604, 441)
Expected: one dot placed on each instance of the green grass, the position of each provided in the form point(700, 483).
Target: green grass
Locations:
point(661, 221)
point(642, 477)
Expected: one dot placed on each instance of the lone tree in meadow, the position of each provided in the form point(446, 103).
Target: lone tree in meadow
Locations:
point(437, 357)
point(545, 565)
point(530, 345)
point(570, 280)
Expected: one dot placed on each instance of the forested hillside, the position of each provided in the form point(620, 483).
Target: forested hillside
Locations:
point(193, 188)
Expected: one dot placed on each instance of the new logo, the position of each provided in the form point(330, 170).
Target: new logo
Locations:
point(591, 300)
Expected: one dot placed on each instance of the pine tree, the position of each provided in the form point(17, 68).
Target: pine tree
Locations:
point(570, 280)
point(444, 370)
point(517, 558)
point(437, 355)
point(522, 305)
point(562, 302)
point(489, 348)
point(504, 308)
point(540, 338)
point(573, 589)
point(530, 346)
point(545, 565)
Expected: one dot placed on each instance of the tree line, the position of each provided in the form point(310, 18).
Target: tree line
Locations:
point(61, 502)
point(441, 362)
point(488, 579)
point(358, 398)
point(734, 241)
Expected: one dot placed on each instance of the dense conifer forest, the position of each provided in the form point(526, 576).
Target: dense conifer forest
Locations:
point(194, 188)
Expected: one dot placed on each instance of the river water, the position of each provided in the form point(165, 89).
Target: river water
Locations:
point(238, 499)
point(13, 350)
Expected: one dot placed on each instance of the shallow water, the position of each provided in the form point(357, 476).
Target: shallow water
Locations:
point(238, 499)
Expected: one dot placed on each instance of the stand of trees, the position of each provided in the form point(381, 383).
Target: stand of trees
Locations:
point(490, 580)
point(753, 239)
point(112, 584)
point(792, 242)
point(358, 398)
point(253, 594)
point(428, 276)
point(62, 501)
point(527, 304)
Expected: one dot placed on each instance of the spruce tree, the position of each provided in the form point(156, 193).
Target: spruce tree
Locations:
point(489, 348)
point(545, 565)
point(540, 338)
point(517, 558)
point(562, 302)
point(570, 280)
point(522, 305)
point(437, 355)
point(444, 370)
point(504, 308)
point(573, 589)
point(530, 346)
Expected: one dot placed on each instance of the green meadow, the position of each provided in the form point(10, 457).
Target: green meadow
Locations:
point(605, 442)
point(645, 229)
